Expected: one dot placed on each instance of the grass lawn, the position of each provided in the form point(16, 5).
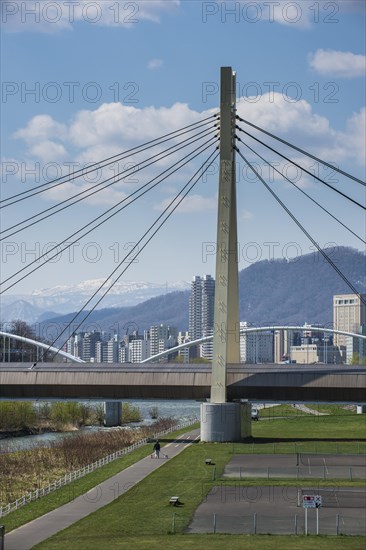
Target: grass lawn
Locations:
point(65, 494)
point(311, 427)
point(142, 518)
point(289, 410)
point(211, 542)
point(331, 409)
point(281, 410)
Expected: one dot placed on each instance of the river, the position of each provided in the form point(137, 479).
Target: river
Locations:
point(181, 410)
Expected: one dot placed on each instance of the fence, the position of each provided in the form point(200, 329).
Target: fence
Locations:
point(298, 472)
point(294, 524)
point(77, 474)
point(309, 447)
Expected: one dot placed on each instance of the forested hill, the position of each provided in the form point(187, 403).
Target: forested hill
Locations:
point(301, 290)
point(278, 291)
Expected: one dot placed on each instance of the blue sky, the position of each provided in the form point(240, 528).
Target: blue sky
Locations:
point(109, 75)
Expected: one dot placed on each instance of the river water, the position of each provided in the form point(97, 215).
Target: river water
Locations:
point(180, 410)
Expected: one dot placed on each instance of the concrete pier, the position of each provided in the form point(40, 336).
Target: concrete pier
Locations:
point(112, 413)
point(224, 422)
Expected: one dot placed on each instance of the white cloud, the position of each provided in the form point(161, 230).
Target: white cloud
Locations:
point(339, 64)
point(155, 64)
point(49, 151)
point(298, 124)
point(353, 140)
point(112, 128)
point(49, 17)
point(282, 115)
point(41, 127)
point(117, 123)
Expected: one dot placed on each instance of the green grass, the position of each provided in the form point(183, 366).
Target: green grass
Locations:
point(280, 410)
point(310, 427)
point(212, 542)
point(289, 410)
point(142, 518)
point(144, 511)
point(67, 493)
point(331, 409)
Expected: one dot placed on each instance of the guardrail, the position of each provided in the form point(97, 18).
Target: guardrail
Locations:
point(77, 474)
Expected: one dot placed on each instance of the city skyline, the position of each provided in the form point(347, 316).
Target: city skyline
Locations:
point(308, 344)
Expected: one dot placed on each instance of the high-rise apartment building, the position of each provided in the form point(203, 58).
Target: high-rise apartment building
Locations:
point(138, 350)
point(349, 314)
point(162, 337)
point(195, 309)
point(201, 312)
point(83, 345)
point(107, 352)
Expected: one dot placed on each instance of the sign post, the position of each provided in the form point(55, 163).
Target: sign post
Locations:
point(311, 501)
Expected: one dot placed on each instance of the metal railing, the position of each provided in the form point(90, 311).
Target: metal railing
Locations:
point(328, 523)
point(298, 472)
point(77, 474)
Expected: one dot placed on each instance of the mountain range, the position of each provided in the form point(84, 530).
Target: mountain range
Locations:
point(278, 291)
point(48, 303)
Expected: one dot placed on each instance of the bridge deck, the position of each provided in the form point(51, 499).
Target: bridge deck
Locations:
point(294, 383)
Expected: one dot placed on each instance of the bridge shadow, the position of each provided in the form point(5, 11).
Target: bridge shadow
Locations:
point(173, 440)
point(177, 440)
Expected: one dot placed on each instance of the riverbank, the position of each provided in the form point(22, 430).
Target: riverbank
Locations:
point(27, 470)
point(39, 430)
point(29, 436)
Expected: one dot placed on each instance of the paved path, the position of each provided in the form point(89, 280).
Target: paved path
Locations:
point(310, 411)
point(40, 529)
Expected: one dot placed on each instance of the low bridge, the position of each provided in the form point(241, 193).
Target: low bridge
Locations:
point(116, 381)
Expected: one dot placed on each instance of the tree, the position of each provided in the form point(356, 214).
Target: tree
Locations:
point(15, 350)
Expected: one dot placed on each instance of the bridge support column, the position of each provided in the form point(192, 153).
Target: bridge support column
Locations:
point(112, 413)
point(225, 422)
point(221, 421)
point(361, 409)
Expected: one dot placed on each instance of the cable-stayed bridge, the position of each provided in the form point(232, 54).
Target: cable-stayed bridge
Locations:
point(213, 137)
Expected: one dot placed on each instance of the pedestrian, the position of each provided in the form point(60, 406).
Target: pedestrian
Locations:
point(157, 449)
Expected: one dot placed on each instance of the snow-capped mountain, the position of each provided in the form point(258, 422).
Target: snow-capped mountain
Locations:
point(47, 302)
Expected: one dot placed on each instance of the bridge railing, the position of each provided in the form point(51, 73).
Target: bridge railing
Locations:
point(77, 474)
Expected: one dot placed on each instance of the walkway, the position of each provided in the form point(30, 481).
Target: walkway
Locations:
point(40, 529)
point(305, 409)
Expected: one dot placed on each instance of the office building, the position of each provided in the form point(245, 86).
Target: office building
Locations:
point(256, 347)
point(349, 314)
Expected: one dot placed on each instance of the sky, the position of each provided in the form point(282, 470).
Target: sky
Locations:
point(85, 80)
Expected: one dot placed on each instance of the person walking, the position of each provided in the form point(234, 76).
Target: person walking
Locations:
point(157, 449)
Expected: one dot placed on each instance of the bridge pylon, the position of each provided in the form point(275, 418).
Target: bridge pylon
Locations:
point(222, 421)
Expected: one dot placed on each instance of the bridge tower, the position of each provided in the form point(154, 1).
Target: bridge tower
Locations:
point(222, 421)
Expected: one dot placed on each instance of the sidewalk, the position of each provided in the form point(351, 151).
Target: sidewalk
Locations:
point(42, 528)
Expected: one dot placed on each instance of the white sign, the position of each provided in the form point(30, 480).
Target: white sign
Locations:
point(311, 501)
